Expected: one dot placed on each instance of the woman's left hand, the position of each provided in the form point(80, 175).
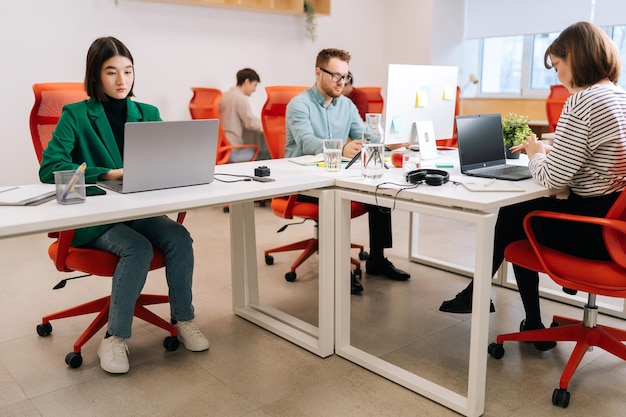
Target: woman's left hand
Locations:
point(531, 145)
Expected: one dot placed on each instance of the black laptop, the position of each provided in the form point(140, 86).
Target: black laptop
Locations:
point(481, 148)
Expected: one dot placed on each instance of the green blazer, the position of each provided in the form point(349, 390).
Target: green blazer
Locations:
point(84, 134)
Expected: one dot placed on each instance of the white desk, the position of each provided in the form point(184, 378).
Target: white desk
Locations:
point(449, 201)
point(335, 191)
point(240, 196)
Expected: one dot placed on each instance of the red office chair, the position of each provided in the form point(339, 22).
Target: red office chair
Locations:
point(606, 278)
point(375, 102)
point(204, 104)
point(554, 104)
point(273, 120)
point(49, 101)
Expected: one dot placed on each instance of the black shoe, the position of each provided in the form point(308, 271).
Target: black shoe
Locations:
point(385, 268)
point(542, 346)
point(462, 303)
point(355, 285)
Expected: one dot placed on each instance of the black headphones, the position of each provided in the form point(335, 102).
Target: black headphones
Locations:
point(429, 176)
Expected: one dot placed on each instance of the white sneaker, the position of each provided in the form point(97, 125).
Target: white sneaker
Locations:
point(113, 354)
point(191, 337)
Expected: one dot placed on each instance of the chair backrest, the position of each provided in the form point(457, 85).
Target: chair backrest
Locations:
point(554, 104)
point(273, 117)
point(49, 101)
point(375, 101)
point(205, 104)
point(615, 241)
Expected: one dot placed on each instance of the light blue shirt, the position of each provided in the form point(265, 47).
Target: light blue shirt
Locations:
point(308, 122)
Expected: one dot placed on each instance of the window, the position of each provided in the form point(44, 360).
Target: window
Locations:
point(513, 65)
point(540, 77)
point(502, 65)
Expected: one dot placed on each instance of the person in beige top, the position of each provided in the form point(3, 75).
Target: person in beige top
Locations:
point(240, 124)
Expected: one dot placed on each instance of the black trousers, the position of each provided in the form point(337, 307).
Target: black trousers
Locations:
point(576, 239)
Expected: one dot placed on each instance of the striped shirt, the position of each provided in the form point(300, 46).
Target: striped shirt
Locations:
point(589, 150)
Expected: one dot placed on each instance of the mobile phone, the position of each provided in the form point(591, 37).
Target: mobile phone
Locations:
point(94, 190)
point(263, 179)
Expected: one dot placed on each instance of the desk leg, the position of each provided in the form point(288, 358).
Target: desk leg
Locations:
point(246, 301)
point(473, 404)
point(479, 333)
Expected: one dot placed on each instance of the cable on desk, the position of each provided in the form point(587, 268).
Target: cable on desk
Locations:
point(395, 196)
point(241, 177)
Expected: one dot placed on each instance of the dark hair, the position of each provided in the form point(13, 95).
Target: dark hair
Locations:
point(326, 54)
point(247, 74)
point(351, 82)
point(99, 52)
point(591, 54)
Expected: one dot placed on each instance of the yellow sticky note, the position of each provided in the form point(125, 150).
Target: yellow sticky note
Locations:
point(421, 98)
point(449, 92)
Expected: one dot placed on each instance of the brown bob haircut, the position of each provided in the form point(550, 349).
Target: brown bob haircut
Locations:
point(99, 52)
point(590, 52)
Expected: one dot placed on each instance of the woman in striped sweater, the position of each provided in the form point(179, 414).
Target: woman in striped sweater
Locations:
point(588, 157)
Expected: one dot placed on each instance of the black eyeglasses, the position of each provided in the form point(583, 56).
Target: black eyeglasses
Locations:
point(337, 77)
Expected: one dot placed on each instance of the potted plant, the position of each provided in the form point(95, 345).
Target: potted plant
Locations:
point(311, 24)
point(514, 130)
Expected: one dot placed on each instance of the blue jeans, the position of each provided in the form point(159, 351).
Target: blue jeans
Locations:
point(133, 242)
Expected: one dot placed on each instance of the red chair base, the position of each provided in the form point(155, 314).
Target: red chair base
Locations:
point(608, 338)
point(101, 306)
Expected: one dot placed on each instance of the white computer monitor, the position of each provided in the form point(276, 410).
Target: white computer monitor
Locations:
point(419, 93)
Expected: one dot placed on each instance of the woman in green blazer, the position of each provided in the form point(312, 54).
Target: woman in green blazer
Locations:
point(92, 131)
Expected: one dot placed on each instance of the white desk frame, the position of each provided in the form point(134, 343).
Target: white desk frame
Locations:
point(114, 207)
point(448, 201)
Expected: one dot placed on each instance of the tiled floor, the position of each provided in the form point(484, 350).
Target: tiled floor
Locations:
point(250, 372)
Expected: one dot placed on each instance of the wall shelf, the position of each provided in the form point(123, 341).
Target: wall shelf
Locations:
point(322, 7)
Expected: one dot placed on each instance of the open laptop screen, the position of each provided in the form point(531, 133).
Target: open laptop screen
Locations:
point(480, 140)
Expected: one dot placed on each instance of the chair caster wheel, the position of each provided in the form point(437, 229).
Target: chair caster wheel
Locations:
point(363, 255)
point(496, 350)
point(560, 397)
point(74, 359)
point(171, 343)
point(44, 330)
point(290, 276)
point(269, 260)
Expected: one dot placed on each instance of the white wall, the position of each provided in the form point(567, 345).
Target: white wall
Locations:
point(179, 46)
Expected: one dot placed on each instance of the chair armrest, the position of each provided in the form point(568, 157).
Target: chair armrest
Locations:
point(64, 242)
point(614, 232)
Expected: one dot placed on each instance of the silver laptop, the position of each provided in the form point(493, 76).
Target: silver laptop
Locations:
point(481, 148)
point(167, 154)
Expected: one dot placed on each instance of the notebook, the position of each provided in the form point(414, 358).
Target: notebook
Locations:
point(161, 155)
point(481, 148)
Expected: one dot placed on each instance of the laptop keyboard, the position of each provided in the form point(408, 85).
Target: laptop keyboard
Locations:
point(503, 170)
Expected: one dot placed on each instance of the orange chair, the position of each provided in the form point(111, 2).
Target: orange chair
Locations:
point(375, 102)
point(49, 101)
point(204, 104)
point(595, 277)
point(452, 142)
point(273, 120)
point(554, 104)
point(273, 117)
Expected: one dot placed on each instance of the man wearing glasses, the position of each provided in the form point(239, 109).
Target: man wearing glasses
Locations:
point(322, 112)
